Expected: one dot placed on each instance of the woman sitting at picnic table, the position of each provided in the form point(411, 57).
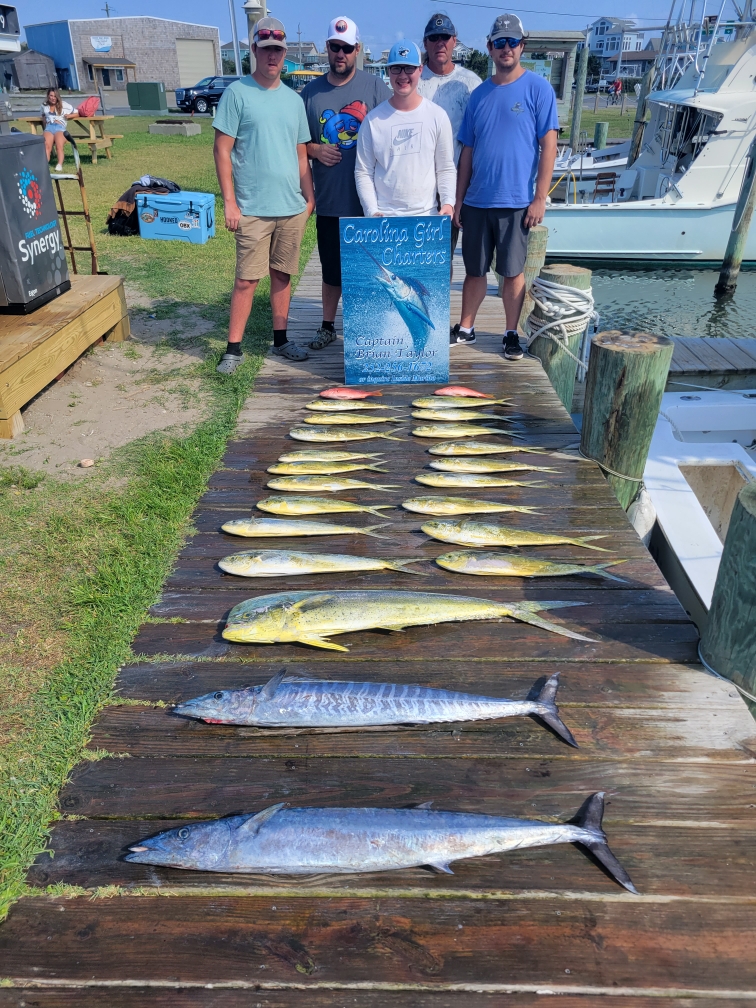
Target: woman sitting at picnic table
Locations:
point(54, 115)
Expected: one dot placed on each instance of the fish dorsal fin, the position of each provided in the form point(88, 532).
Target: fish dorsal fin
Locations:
point(269, 689)
point(417, 285)
point(316, 599)
point(254, 822)
point(442, 869)
point(424, 805)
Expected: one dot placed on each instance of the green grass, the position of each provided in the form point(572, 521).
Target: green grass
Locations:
point(620, 126)
point(81, 561)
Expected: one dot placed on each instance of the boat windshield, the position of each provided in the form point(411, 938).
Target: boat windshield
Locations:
point(682, 134)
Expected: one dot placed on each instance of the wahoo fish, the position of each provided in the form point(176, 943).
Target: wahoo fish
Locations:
point(258, 528)
point(472, 533)
point(458, 430)
point(310, 617)
point(309, 841)
point(457, 505)
point(480, 448)
point(461, 391)
point(320, 455)
point(319, 468)
point(466, 465)
point(285, 563)
point(305, 483)
point(499, 564)
point(342, 405)
point(315, 505)
point(452, 415)
point(467, 480)
point(346, 419)
point(460, 402)
point(327, 434)
point(288, 701)
point(347, 393)
point(408, 297)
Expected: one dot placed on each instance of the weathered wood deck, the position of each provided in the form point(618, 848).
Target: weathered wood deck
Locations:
point(673, 748)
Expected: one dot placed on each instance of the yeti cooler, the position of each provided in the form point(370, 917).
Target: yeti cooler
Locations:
point(33, 266)
point(182, 216)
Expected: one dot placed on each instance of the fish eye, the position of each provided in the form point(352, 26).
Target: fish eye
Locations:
point(183, 833)
point(217, 696)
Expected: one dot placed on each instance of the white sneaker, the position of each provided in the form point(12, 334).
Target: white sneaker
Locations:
point(59, 167)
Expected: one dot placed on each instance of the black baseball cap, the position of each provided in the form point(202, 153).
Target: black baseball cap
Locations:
point(440, 24)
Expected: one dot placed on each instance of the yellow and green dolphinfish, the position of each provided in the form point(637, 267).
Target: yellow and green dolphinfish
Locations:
point(507, 565)
point(315, 505)
point(276, 528)
point(342, 406)
point(320, 468)
point(472, 533)
point(348, 420)
point(438, 479)
point(458, 506)
point(291, 563)
point(451, 430)
point(305, 483)
point(467, 465)
point(451, 415)
point(479, 448)
point(336, 434)
point(323, 455)
point(436, 402)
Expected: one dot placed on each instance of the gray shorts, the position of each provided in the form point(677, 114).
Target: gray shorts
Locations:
point(499, 228)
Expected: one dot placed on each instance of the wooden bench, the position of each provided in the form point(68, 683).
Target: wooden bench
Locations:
point(36, 349)
point(92, 132)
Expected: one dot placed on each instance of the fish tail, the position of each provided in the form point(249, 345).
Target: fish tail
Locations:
point(526, 611)
point(377, 468)
point(384, 486)
point(389, 438)
point(600, 570)
point(398, 565)
point(377, 511)
point(590, 818)
point(549, 712)
point(584, 540)
point(368, 530)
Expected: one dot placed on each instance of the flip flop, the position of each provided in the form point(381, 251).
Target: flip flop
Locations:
point(291, 351)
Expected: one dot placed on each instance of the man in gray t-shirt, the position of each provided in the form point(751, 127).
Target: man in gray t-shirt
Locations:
point(336, 104)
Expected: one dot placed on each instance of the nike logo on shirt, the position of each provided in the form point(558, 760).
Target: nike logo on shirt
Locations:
point(403, 135)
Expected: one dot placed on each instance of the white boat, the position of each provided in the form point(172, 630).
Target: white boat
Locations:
point(575, 173)
point(676, 202)
point(703, 452)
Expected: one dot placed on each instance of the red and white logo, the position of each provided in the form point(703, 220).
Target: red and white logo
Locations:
point(341, 26)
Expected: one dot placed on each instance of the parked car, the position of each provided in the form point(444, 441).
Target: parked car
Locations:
point(205, 95)
point(601, 85)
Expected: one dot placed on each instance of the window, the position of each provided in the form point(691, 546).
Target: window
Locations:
point(601, 29)
point(91, 71)
point(119, 76)
point(599, 45)
point(638, 45)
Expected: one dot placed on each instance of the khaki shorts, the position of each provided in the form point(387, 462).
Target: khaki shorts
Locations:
point(265, 243)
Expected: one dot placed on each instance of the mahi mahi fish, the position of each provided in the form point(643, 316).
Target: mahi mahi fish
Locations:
point(452, 415)
point(499, 564)
point(479, 448)
point(288, 701)
point(315, 505)
point(280, 563)
point(323, 455)
point(278, 527)
point(310, 617)
point(342, 405)
point(408, 297)
point(466, 465)
point(472, 533)
point(347, 393)
point(458, 505)
point(305, 483)
point(320, 468)
point(329, 434)
point(348, 420)
point(458, 402)
point(458, 430)
point(310, 841)
point(468, 480)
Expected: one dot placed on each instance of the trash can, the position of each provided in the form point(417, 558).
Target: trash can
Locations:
point(182, 216)
point(33, 267)
point(145, 96)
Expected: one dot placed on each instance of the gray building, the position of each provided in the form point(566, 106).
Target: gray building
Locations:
point(27, 69)
point(108, 52)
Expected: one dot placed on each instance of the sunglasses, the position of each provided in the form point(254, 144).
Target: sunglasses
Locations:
point(337, 47)
point(443, 37)
point(396, 70)
point(270, 33)
point(500, 43)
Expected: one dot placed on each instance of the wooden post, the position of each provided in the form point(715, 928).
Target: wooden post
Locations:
point(640, 117)
point(741, 223)
point(595, 104)
point(538, 237)
point(559, 366)
point(577, 107)
point(627, 372)
point(729, 640)
point(600, 134)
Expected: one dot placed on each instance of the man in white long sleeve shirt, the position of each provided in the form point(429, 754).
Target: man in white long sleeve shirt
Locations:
point(405, 148)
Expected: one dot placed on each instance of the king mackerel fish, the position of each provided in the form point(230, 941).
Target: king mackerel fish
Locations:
point(309, 841)
point(298, 702)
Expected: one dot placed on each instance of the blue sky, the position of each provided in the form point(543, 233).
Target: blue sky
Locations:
point(381, 23)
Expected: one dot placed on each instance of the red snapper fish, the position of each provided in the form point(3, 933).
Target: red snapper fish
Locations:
point(348, 393)
point(460, 390)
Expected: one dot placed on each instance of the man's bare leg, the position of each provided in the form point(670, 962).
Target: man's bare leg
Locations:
point(280, 298)
point(331, 297)
point(512, 296)
point(242, 297)
point(473, 292)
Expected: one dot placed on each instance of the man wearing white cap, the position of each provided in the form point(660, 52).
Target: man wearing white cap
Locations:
point(405, 150)
point(261, 134)
point(336, 106)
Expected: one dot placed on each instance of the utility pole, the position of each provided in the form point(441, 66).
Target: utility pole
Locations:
point(107, 8)
point(235, 38)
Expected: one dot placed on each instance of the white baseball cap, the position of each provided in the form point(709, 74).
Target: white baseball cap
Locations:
point(343, 29)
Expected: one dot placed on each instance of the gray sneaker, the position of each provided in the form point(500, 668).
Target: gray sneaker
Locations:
point(229, 362)
point(291, 351)
point(322, 338)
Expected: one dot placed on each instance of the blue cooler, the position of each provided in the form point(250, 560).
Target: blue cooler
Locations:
point(181, 216)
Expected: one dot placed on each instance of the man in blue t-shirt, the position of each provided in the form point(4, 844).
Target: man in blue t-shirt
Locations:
point(509, 133)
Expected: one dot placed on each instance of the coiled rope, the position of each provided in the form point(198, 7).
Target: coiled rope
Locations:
point(564, 311)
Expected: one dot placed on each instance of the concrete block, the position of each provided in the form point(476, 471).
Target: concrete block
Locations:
point(175, 129)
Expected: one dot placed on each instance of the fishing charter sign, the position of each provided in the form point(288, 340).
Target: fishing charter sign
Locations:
point(395, 276)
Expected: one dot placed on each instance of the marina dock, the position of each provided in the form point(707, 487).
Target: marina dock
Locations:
point(673, 748)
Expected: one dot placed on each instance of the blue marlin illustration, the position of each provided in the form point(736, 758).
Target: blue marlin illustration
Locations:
point(408, 297)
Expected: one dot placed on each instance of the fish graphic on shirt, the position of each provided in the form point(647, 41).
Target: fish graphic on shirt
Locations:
point(517, 108)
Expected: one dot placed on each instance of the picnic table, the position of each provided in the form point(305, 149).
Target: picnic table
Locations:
point(92, 131)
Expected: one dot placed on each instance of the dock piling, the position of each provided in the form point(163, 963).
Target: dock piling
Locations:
point(577, 105)
point(538, 237)
point(741, 224)
point(639, 124)
point(600, 135)
point(729, 640)
point(627, 372)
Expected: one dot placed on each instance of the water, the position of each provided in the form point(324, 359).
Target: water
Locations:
point(674, 302)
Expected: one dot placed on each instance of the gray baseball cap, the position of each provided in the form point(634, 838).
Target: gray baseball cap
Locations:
point(506, 26)
point(268, 25)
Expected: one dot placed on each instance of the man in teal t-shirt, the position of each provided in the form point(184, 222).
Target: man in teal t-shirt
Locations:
point(261, 137)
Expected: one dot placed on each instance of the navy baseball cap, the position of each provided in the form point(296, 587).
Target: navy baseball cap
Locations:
point(440, 24)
